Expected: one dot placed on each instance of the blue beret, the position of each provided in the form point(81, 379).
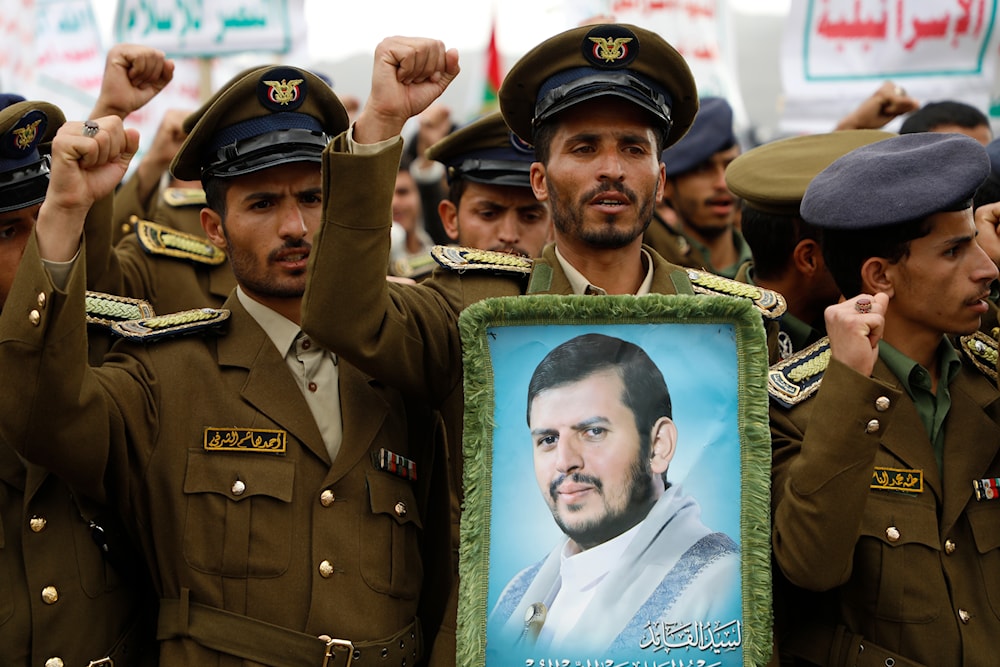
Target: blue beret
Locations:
point(900, 179)
point(711, 132)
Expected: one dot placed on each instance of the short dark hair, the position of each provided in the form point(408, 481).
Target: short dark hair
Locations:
point(645, 391)
point(846, 250)
point(215, 194)
point(946, 112)
point(772, 238)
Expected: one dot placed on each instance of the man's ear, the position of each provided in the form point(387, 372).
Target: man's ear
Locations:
point(539, 184)
point(663, 444)
point(448, 213)
point(807, 257)
point(211, 222)
point(877, 276)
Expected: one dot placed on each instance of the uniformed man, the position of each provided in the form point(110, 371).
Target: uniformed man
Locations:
point(598, 114)
point(285, 503)
point(72, 592)
point(771, 180)
point(704, 234)
point(490, 204)
point(884, 488)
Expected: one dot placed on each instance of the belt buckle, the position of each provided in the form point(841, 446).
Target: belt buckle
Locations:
point(336, 645)
point(103, 662)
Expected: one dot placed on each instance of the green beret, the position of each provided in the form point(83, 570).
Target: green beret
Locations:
point(26, 129)
point(485, 151)
point(773, 178)
point(264, 117)
point(620, 60)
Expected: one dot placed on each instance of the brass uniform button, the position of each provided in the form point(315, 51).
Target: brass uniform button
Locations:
point(37, 523)
point(54, 662)
point(239, 487)
point(882, 403)
point(892, 533)
point(872, 426)
point(50, 595)
point(326, 569)
point(41, 299)
point(326, 498)
point(126, 228)
point(949, 547)
point(34, 317)
point(964, 616)
point(400, 509)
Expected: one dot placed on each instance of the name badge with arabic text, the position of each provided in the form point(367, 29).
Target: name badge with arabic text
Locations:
point(896, 479)
point(265, 441)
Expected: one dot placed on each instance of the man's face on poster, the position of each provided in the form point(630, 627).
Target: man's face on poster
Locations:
point(590, 464)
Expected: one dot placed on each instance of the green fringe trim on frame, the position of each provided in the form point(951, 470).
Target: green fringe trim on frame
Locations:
point(753, 424)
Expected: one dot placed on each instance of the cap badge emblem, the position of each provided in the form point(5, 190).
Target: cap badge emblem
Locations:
point(610, 49)
point(283, 92)
point(24, 137)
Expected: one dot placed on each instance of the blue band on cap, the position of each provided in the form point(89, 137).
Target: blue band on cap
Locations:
point(263, 125)
point(577, 84)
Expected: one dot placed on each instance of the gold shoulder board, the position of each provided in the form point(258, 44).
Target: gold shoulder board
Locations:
point(175, 324)
point(106, 309)
point(176, 197)
point(768, 302)
point(461, 260)
point(157, 239)
point(982, 352)
point(793, 380)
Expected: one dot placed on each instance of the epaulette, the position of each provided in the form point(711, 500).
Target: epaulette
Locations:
point(793, 380)
point(106, 309)
point(177, 197)
point(770, 304)
point(159, 239)
point(461, 260)
point(413, 266)
point(175, 324)
point(981, 350)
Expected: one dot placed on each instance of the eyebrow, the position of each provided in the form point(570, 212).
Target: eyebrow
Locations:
point(596, 420)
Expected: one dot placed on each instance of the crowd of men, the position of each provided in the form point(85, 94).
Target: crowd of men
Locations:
point(231, 437)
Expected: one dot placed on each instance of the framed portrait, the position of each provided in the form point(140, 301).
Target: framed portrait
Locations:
point(616, 483)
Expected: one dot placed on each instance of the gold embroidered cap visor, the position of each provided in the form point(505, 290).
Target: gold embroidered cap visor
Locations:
point(263, 117)
point(588, 62)
point(26, 130)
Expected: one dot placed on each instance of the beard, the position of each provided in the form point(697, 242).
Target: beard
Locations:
point(615, 520)
point(256, 279)
point(611, 235)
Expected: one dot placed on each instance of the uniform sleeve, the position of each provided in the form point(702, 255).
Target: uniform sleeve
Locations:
point(823, 457)
point(405, 335)
point(57, 410)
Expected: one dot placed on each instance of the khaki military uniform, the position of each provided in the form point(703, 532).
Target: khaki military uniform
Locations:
point(62, 602)
point(256, 544)
point(170, 279)
point(882, 550)
point(408, 334)
point(175, 207)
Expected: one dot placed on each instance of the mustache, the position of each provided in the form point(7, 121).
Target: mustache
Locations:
point(293, 244)
point(609, 187)
point(577, 478)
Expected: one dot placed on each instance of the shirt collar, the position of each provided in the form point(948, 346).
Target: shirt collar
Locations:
point(281, 330)
point(581, 285)
point(912, 374)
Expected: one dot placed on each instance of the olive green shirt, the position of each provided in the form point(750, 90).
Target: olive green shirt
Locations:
point(933, 409)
